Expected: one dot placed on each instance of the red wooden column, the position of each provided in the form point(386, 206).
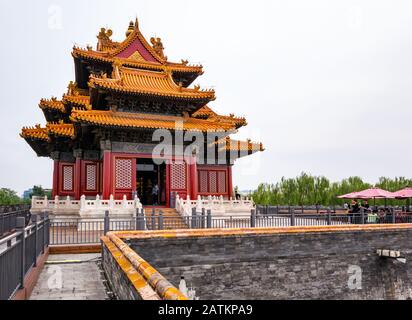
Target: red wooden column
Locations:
point(193, 178)
point(107, 174)
point(55, 191)
point(229, 181)
point(77, 178)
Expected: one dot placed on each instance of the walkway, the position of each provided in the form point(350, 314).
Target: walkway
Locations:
point(71, 281)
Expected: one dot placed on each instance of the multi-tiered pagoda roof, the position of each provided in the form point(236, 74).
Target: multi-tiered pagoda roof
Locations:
point(129, 85)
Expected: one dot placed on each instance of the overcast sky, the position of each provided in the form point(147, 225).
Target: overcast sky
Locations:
point(325, 85)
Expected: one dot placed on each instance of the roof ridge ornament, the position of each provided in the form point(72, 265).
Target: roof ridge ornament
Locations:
point(104, 40)
point(158, 47)
point(117, 64)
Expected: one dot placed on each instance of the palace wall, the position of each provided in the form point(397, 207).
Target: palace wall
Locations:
point(302, 265)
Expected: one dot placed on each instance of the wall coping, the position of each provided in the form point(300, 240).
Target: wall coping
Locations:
point(148, 282)
point(203, 233)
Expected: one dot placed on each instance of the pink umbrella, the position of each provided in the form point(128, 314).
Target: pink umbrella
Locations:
point(403, 194)
point(375, 193)
point(351, 195)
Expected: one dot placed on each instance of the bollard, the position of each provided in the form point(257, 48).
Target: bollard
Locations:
point(140, 219)
point(20, 227)
point(35, 220)
point(329, 218)
point(209, 219)
point(203, 218)
point(153, 219)
point(106, 224)
point(362, 216)
point(160, 220)
point(253, 218)
point(292, 217)
point(46, 231)
point(194, 216)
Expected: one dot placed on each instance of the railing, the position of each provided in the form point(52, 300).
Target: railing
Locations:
point(78, 231)
point(84, 206)
point(8, 220)
point(19, 253)
point(217, 205)
point(317, 209)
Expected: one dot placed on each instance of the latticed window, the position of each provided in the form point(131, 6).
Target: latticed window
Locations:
point(178, 176)
point(123, 173)
point(212, 181)
point(68, 177)
point(91, 177)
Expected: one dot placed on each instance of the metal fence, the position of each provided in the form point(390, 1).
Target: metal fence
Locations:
point(8, 220)
point(77, 231)
point(19, 253)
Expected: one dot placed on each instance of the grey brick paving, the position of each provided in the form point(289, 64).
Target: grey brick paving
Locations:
point(79, 281)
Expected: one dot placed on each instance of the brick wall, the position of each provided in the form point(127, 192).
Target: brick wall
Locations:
point(118, 279)
point(284, 266)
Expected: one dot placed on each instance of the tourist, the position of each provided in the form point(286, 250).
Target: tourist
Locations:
point(155, 194)
point(354, 206)
point(366, 206)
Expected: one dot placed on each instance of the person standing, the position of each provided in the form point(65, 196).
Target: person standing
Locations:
point(155, 194)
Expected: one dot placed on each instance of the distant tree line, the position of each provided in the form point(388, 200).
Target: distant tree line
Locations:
point(311, 190)
point(10, 197)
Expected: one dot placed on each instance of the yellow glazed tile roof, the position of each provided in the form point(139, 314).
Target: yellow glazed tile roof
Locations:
point(52, 104)
point(143, 82)
point(39, 133)
point(36, 132)
point(236, 145)
point(61, 129)
point(110, 50)
point(150, 121)
point(79, 101)
point(207, 113)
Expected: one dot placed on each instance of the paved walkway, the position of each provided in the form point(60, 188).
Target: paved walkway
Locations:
point(71, 281)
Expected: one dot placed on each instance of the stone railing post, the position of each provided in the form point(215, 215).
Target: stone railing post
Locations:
point(111, 202)
point(160, 220)
point(106, 222)
point(82, 202)
point(46, 202)
point(292, 216)
point(209, 219)
point(21, 227)
point(253, 218)
point(393, 215)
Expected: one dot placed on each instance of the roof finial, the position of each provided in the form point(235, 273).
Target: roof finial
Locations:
point(136, 24)
point(130, 29)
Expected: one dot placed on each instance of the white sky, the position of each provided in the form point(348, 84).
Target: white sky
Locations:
point(325, 85)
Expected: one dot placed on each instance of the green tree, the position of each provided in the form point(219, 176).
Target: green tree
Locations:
point(310, 190)
point(9, 197)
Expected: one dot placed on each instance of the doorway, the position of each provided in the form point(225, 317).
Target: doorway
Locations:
point(151, 182)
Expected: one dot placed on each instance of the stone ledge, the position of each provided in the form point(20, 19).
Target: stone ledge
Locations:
point(185, 233)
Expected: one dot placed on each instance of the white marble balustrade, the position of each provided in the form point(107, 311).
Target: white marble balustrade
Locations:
point(217, 205)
